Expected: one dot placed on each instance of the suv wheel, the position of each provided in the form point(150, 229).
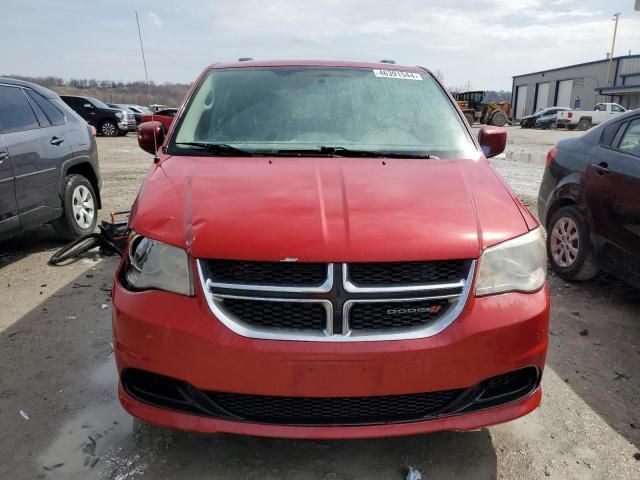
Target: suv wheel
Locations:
point(568, 246)
point(109, 128)
point(79, 204)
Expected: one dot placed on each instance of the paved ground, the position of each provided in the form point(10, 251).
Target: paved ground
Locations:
point(58, 370)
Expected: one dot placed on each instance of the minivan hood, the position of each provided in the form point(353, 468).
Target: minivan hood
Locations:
point(326, 209)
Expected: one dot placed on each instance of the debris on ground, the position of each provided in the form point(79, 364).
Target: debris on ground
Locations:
point(50, 468)
point(104, 306)
point(24, 415)
point(413, 474)
point(584, 333)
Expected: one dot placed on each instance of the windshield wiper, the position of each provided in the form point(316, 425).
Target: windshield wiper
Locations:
point(218, 148)
point(346, 152)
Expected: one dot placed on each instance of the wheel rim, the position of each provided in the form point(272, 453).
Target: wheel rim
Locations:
point(565, 242)
point(83, 207)
point(108, 129)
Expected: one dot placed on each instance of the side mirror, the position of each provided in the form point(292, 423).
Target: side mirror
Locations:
point(493, 140)
point(150, 136)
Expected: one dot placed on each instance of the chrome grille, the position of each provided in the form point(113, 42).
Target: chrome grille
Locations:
point(405, 273)
point(329, 302)
point(395, 314)
point(267, 273)
point(278, 314)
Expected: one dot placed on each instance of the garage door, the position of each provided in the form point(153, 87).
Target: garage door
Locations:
point(564, 93)
point(542, 100)
point(521, 101)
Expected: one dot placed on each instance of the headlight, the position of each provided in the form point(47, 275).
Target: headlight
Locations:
point(517, 265)
point(119, 114)
point(153, 264)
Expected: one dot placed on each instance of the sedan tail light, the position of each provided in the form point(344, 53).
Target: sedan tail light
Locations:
point(93, 130)
point(551, 155)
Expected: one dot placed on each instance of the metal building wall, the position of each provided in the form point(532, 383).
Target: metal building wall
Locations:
point(586, 78)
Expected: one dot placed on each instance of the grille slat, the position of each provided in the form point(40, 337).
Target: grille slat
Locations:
point(406, 273)
point(267, 273)
point(387, 315)
point(289, 315)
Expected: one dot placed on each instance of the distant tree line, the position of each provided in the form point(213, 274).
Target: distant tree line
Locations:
point(170, 94)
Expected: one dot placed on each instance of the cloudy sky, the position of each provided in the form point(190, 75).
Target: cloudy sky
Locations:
point(484, 42)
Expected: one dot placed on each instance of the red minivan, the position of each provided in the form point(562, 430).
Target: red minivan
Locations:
point(322, 250)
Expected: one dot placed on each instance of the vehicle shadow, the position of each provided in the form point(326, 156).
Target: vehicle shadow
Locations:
point(595, 347)
point(40, 239)
point(59, 371)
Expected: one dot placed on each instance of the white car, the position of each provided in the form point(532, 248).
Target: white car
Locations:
point(585, 119)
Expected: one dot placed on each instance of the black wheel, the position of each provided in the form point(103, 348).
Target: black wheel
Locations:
point(569, 249)
point(499, 119)
point(470, 118)
point(80, 215)
point(109, 128)
point(584, 124)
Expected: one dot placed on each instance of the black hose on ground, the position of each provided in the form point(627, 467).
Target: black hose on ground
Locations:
point(111, 238)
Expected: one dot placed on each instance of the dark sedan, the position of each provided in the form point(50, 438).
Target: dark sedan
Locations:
point(589, 200)
point(545, 122)
point(530, 120)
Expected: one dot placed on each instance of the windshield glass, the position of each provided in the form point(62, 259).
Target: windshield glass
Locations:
point(282, 109)
point(97, 103)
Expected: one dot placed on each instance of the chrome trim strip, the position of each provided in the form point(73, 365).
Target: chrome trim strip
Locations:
point(325, 287)
point(30, 174)
point(8, 179)
point(353, 288)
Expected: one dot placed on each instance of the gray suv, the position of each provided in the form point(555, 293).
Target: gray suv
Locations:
point(48, 163)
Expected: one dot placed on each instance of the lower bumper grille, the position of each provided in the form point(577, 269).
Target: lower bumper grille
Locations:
point(172, 394)
point(341, 411)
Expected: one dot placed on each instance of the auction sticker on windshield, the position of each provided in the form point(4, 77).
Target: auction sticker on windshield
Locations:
point(397, 74)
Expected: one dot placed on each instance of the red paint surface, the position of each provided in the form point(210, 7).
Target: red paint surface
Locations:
point(326, 209)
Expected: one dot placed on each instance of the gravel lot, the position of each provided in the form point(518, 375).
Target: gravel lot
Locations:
point(58, 370)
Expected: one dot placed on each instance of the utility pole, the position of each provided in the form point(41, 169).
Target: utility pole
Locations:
point(616, 16)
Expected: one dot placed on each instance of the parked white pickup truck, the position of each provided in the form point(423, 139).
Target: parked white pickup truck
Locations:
point(585, 119)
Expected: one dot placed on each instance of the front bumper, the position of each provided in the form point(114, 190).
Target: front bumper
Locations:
point(128, 125)
point(178, 337)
